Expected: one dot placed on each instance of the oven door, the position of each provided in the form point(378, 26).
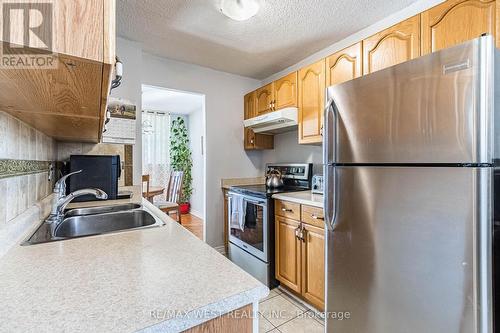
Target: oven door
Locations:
point(251, 234)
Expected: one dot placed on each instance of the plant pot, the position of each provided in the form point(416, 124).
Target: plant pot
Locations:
point(185, 206)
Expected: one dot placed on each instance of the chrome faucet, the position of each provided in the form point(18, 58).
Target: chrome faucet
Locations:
point(61, 200)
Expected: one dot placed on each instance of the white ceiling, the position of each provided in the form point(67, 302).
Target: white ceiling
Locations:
point(281, 34)
point(177, 102)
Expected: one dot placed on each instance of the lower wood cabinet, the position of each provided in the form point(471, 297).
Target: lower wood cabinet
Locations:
point(288, 253)
point(313, 265)
point(300, 252)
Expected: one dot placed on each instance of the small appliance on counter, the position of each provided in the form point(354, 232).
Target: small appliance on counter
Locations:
point(251, 218)
point(98, 171)
point(317, 184)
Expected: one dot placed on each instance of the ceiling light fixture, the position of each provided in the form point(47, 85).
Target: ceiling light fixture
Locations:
point(239, 10)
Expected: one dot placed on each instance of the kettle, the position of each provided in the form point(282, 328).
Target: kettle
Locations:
point(274, 178)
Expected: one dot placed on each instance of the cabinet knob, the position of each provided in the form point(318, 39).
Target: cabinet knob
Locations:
point(287, 210)
point(316, 217)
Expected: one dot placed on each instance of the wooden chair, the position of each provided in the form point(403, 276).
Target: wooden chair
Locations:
point(173, 195)
point(145, 179)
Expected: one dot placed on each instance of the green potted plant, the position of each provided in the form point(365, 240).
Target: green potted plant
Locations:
point(180, 160)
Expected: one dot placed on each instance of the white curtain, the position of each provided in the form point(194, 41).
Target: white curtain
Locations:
point(155, 148)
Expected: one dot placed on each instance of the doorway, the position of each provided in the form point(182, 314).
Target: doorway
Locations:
point(166, 114)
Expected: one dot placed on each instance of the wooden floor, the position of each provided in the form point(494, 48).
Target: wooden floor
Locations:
point(192, 223)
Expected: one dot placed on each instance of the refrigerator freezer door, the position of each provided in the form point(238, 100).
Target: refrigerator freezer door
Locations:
point(434, 109)
point(410, 251)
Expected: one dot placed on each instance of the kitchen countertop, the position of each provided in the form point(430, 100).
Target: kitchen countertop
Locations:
point(302, 197)
point(121, 282)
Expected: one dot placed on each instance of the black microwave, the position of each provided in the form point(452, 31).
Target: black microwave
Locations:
point(98, 171)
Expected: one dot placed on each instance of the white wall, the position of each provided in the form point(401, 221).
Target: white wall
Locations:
point(224, 136)
point(196, 134)
point(130, 53)
point(387, 22)
point(223, 92)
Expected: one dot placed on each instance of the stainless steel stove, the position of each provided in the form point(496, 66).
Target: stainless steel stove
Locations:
point(251, 224)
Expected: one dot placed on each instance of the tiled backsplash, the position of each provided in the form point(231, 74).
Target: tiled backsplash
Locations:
point(18, 141)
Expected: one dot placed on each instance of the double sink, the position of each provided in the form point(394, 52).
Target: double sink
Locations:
point(91, 221)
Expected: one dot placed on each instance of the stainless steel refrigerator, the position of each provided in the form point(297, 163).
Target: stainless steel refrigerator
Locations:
point(408, 156)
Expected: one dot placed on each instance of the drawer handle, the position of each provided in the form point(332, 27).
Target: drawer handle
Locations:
point(288, 210)
point(316, 217)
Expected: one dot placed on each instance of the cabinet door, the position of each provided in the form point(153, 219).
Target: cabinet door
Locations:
point(392, 46)
point(77, 27)
point(285, 91)
point(313, 266)
point(287, 253)
point(255, 141)
point(311, 102)
point(249, 139)
point(344, 65)
point(456, 21)
point(250, 105)
point(265, 98)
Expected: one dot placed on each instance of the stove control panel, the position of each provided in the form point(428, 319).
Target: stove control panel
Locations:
point(292, 171)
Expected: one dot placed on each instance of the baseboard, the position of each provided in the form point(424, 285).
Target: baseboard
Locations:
point(196, 213)
point(221, 249)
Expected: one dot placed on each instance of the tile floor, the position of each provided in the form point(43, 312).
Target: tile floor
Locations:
point(282, 313)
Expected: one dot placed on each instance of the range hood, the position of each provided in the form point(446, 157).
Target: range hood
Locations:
point(275, 122)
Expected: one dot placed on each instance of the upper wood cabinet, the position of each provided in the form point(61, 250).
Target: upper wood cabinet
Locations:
point(250, 105)
point(392, 46)
point(80, 28)
point(456, 21)
point(265, 98)
point(254, 141)
point(288, 253)
point(285, 92)
point(344, 65)
point(449, 23)
point(311, 83)
point(66, 101)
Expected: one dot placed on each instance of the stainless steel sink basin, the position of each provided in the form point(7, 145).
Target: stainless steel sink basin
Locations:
point(100, 210)
point(94, 221)
point(78, 226)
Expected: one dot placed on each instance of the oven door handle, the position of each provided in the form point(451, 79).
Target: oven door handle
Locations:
point(258, 203)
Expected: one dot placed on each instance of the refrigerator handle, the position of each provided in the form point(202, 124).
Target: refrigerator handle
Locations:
point(331, 197)
point(330, 193)
point(328, 130)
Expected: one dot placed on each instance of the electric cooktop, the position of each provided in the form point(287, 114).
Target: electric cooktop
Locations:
point(265, 192)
